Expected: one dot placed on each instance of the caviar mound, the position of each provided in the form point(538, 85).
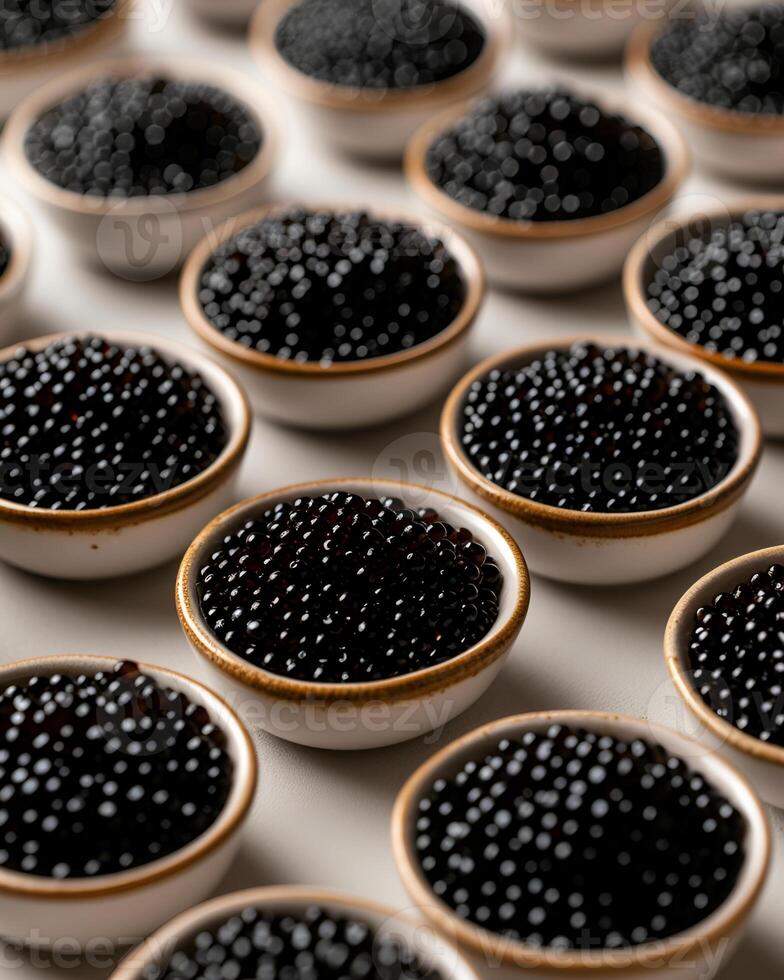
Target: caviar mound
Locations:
point(314, 943)
point(724, 291)
point(142, 136)
point(569, 839)
point(104, 772)
point(87, 424)
point(729, 60)
point(736, 656)
point(343, 589)
point(327, 287)
point(380, 44)
point(599, 429)
point(543, 155)
point(25, 25)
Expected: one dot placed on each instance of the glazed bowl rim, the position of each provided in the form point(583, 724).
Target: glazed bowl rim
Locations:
point(406, 687)
point(227, 823)
point(17, 231)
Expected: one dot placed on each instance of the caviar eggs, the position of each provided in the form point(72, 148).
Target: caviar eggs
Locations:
point(599, 429)
point(314, 944)
point(379, 44)
point(104, 772)
point(325, 287)
point(736, 655)
point(87, 424)
point(139, 136)
point(570, 839)
point(24, 24)
point(543, 155)
point(344, 589)
point(725, 290)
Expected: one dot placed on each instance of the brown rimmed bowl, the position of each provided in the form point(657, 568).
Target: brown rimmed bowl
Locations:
point(552, 256)
point(431, 950)
point(17, 235)
point(127, 905)
point(358, 715)
point(119, 540)
point(608, 548)
point(737, 145)
point(347, 394)
point(372, 123)
point(763, 381)
point(146, 237)
point(762, 762)
point(692, 953)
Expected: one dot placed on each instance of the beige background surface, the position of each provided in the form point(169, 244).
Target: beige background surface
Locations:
point(321, 818)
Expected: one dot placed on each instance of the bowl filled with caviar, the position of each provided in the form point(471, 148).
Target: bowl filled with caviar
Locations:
point(16, 249)
point(367, 73)
point(134, 157)
point(724, 655)
point(334, 316)
point(41, 40)
point(583, 843)
point(295, 932)
point(126, 786)
point(720, 77)
point(610, 461)
point(551, 187)
point(114, 451)
point(712, 284)
point(351, 614)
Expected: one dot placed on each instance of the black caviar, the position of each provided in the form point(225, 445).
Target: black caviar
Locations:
point(732, 59)
point(343, 589)
point(599, 429)
point(725, 290)
point(380, 44)
point(314, 944)
point(544, 155)
point(574, 840)
point(25, 24)
point(736, 655)
point(104, 772)
point(131, 137)
point(331, 286)
point(87, 424)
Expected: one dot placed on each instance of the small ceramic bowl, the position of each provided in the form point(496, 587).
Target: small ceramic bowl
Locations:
point(91, 544)
point(552, 256)
point(23, 70)
point(763, 381)
point(16, 233)
point(348, 394)
point(225, 13)
point(368, 715)
point(143, 238)
point(691, 954)
point(375, 124)
point(616, 548)
point(127, 905)
point(432, 951)
point(737, 145)
point(763, 763)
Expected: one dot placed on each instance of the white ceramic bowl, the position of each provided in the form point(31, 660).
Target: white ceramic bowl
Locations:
point(763, 763)
point(695, 954)
point(367, 123)
point(552, 256)
point(226, 13)
point(431, 950)
point(91, 544)
point(144, 238)
point(367, 715)
point(24, 70)
point(736, 145)
point(763, 381)
point(608, 548)
point(346, 394)
point(126, 906)
point(16, 232)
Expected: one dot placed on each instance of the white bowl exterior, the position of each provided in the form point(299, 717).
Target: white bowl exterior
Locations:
point(580, 28)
